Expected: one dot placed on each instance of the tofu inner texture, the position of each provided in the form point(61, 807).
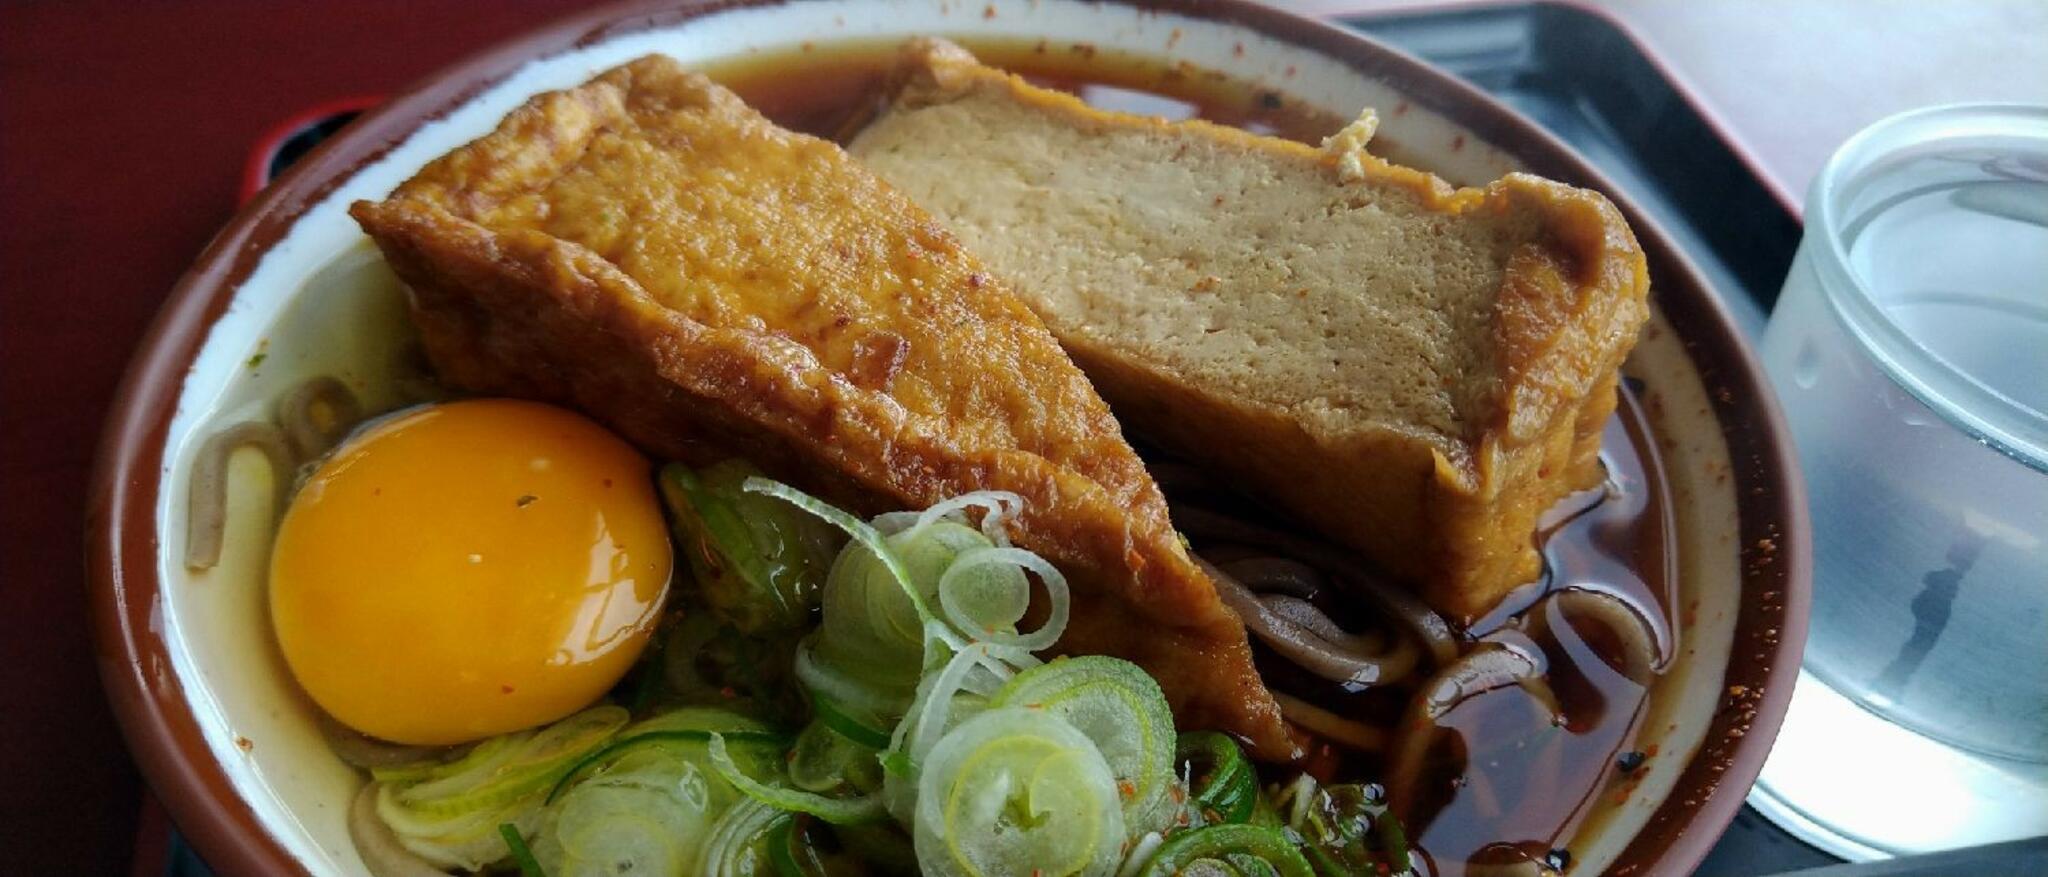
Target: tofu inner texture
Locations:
point(1264, 276)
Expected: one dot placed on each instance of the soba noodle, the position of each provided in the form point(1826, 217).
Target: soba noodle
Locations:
point(1641, 652)
point(1319, 645)
point(1352, 573)
point(378, 846)
point(302, 434)
point(1267, 574)
point(1350, 732)
point(1491, 665)
point(207, 500)
point(300, 414)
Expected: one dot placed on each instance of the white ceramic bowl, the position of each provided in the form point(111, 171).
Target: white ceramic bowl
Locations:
point(292, 289)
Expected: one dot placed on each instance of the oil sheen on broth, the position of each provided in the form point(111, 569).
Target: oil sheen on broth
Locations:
point(1508, 785)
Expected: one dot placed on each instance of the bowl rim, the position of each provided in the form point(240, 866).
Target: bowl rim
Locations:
point(121, 523)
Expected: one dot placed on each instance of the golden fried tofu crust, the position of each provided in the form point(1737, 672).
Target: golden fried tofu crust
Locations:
point(650, 250)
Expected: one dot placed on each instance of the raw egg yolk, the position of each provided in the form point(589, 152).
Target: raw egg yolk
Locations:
point(469, 569)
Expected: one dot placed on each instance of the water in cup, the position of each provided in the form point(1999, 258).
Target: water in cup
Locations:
point(1916, 384)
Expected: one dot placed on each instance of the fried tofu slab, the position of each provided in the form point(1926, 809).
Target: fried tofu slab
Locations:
point(648, 249)
point(1417, 371)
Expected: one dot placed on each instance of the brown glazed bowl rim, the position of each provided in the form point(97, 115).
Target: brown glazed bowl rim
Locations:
point(121, 522)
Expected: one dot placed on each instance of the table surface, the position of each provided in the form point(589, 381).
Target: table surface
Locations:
point(1791, 79)
point(122, 132)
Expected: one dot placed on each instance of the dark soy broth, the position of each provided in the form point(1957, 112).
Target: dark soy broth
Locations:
point(1504, 783)
point(1522, 783)
point(830, 91)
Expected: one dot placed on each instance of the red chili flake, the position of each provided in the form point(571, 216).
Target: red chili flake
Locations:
point(505, 689)
point(1126, 788)
point(244, 743)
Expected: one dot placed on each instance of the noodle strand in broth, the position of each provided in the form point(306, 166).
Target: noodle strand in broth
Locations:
point(207, 497)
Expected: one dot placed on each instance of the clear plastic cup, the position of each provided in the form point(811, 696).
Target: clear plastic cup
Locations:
point(1910, 351)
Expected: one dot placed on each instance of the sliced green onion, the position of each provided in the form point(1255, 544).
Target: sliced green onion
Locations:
point(935, 709)
point(897, 764)
point(800, 847)
point(1222, 785)
point(892, 523)
point(872, 630)
point(828, 681)
point(759, 563)
point(827, 762)
point(841, 720)
point(521, 856)
point(854, 527)
point(505, 769)
point(986, 604)
point(700, 718)
point(1230, 850)
point(1393, 842)
point(996, 505)
point(1140, 854)
point(647, 821)
point(616, 750)
point(787, 853)
point(1344, 828)
point(486, 756)
point(944, 697)
point(448, 813)
point(1264, 814)
point(1296, 800)
point(838, 811)
point(1017, 791)
point(738, 842)
point(1121, 709)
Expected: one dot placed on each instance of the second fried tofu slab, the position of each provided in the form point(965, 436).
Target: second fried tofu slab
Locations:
point(1419, 372)
point(648, 249)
